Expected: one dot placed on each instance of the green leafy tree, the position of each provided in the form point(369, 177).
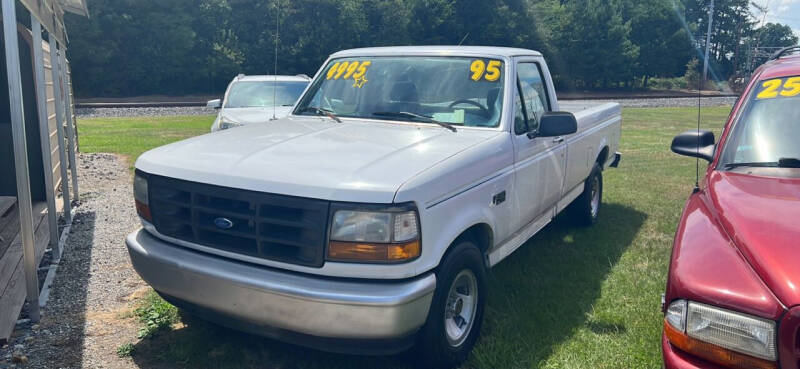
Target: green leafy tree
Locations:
point(217, 45)
point(133, 47)
point(594, 41)
point(664, 44)
point(160, 47)
point(775, 35)
point(692, 75)
point(733, 24)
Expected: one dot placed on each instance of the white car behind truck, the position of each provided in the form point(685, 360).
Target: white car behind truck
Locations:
point(257, 99)
point(365, 221)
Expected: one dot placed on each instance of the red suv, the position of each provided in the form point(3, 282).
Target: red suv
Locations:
point(733, 291)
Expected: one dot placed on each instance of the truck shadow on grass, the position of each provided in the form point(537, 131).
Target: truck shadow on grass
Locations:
point(545, 291)
point(538, 297)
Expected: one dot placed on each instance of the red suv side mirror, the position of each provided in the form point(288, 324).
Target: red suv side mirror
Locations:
point(697, 144)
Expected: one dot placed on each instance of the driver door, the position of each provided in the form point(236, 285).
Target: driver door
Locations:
point(539, 162)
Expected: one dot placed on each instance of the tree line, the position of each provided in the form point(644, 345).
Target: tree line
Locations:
point(144, 47)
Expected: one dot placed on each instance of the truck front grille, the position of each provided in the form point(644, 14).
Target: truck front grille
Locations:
point(262, 225)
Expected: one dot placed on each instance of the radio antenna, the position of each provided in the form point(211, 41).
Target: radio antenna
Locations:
point(700, 82)
point(275, 75)
point(697, 158)
point(463, 39)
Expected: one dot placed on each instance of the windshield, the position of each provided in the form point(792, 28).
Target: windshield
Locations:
point(768, 130)
point(250, 94)
point(455, 90)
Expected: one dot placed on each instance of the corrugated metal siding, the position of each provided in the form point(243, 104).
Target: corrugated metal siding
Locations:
point(47, 12)
point(71, 107)
point(52, 123)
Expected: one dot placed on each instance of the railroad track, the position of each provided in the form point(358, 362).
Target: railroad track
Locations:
point(160, 104)
point(186, 104)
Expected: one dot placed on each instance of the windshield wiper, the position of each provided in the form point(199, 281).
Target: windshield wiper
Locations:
point(405, 114)
point(781, 163)
point(765, 164)
point(789, 163)
point(322, 111)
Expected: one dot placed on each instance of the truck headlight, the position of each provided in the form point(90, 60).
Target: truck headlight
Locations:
point(676, 315)
point(721, 336)
point(374, 236)
point(141, 196)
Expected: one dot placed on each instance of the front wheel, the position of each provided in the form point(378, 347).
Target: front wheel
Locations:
point(586, 208)
point(456, 313)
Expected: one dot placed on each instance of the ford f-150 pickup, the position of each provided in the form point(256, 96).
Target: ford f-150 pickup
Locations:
point(365, 221)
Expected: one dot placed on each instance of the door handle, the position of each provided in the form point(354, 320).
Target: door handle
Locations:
point(558, 139)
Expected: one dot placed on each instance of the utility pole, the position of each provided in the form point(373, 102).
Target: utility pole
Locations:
point(708, 42)
point(764, 10)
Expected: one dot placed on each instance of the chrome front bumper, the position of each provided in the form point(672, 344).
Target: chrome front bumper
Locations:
point(263, 300)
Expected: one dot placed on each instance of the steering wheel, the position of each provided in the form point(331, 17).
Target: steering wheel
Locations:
point(484, 110)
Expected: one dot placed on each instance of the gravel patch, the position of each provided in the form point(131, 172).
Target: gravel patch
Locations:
point(141, 112)
point(88, 314)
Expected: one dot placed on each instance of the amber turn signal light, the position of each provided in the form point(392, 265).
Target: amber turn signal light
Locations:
point(714, 353)
point(144, 211)
point(372, 252)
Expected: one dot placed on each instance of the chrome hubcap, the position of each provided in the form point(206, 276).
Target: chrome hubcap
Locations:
point(462, 303)
point(595, 196)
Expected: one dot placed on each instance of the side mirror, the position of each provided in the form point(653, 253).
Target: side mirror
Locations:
point(214, 104)
point(697, 144)
point(558, 123)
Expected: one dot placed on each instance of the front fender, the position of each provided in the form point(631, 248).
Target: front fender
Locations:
point(474, 217)
point(458, 193)
point(443, 223)
point(707, 267)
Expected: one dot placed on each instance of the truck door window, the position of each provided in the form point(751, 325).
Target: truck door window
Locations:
point(534, 95)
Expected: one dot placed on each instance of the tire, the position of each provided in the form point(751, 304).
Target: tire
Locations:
point(446, 340)
point(585, 210)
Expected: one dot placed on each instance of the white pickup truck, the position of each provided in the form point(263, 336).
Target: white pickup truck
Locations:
point(365, 221)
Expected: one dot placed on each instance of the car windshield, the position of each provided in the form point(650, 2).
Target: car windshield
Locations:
point(250, 94)
point(768, 131)
point(456, 90)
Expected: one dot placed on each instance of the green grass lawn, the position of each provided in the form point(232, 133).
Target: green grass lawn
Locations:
point(133, 136)
point(570, 298)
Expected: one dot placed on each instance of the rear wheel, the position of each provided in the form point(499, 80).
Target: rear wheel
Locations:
point(585, 210)
point(456, 313)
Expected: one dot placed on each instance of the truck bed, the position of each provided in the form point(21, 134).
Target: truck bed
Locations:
point(590, 114)
point(598, 131)
point(583, 108)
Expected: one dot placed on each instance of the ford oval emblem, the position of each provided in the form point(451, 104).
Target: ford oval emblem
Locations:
point(223, 223)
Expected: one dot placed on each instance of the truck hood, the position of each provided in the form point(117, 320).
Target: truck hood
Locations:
point(255, 115)
point(358, 161)
point(761, 214)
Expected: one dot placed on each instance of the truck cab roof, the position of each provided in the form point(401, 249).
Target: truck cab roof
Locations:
point(436, 50)
point(268, 78)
